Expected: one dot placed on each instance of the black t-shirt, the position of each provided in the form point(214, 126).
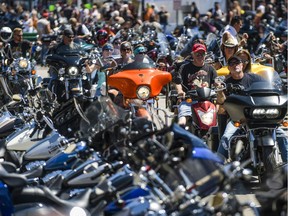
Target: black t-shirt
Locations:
point(163, 17)
point(246, 81)
point(186, 71)
point(61, 48)
point(19, 49)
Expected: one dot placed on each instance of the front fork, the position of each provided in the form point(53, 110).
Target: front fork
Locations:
point(253, 148)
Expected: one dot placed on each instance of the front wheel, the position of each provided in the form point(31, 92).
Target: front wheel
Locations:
point(271, 159)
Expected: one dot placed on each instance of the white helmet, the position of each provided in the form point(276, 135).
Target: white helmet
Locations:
point(5, 34)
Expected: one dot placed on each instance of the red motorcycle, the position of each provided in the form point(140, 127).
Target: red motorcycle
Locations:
point(204, 113)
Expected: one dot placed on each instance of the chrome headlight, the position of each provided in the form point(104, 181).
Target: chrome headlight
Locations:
point(206, 117)
point(272, 113)
point(23, 63)
point(73, 71)
point(143, 92)
point(77, 211)
point(268, 113)
point(61, 71)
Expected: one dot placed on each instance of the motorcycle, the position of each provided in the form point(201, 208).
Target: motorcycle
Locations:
point(258, 112)
point(204, 109)
point(140, 84)
point(37, 138)
point(18, 199)
point(72, 88)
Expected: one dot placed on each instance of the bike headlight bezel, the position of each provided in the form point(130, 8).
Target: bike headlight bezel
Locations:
point(143, 92)
point(23, 63)
point(268, 113)
point(206, 117)
point(73, 71)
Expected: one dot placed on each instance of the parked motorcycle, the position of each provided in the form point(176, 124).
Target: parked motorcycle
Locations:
point(72, 88)
point(18, 199)
point(140, 84)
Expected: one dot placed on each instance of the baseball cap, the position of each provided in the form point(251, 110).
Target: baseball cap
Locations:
point(68, 32)
point(45, 14)
point(107, 46)
point(234, 59)
point(199, 47)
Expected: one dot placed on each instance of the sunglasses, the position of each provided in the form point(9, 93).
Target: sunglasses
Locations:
point(70, 36)
point(126, 49)
point(109, 50)
point(116, 43)
point(142, 53)
point(200, 54)
point(234, 63)
point(20, 35)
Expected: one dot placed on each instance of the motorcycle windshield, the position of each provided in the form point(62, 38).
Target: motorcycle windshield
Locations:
point(102, 114)
point(70, 49)
point(138, 65)
point(271, 81)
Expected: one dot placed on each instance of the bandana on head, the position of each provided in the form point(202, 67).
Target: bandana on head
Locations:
point(139, 50)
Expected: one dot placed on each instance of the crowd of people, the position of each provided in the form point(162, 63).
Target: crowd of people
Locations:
point(233, 44)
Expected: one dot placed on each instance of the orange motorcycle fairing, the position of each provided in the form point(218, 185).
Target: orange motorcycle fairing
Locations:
point(128, 81)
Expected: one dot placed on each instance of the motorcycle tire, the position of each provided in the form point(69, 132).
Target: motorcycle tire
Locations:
point(269, 161)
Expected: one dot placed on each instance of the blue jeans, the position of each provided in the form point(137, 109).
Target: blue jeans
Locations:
point(231, 130)
point(44, 52)
point(185, 108)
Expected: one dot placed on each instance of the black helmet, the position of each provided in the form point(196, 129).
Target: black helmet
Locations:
point(5, 34)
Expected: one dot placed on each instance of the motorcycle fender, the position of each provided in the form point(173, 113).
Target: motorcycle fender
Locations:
point(6, 122)
point(265, 141)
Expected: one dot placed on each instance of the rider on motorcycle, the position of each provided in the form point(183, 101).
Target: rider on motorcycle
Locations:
point(18, 47)
point(237, 76)
point(67, 45)
point(187, 73)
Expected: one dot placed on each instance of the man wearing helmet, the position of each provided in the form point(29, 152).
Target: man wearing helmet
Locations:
point(101, 37)
point(5, 36)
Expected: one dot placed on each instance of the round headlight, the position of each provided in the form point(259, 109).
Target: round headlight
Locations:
point(73, 71)
point(61, 71)
point(258, 113)
point(143, 92)
point(206, 118)
point(23, 63)
point(272, 113)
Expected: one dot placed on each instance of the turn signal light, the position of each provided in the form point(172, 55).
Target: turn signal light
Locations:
point(189, 100)
point(285, 124)
point(33, 72)
point(237, 124)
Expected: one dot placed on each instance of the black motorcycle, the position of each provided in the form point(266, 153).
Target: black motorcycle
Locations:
point(72, 86)
point(258, 111)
